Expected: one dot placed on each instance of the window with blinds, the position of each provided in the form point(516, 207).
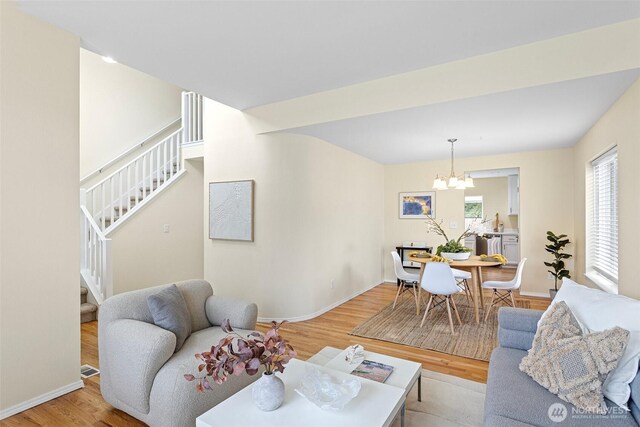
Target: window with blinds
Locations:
point(603, 236)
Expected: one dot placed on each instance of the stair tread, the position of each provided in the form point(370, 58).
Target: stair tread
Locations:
point(87, 307)
point(83, 291)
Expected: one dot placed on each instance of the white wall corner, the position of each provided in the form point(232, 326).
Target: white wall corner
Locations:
point(28, 404)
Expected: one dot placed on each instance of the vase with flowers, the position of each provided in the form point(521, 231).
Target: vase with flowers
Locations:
point(454, 249)
point(236, 354)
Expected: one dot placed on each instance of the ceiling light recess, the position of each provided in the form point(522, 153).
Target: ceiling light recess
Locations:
point(109, 60)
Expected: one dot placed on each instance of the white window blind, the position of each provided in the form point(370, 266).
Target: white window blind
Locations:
point(603, 246)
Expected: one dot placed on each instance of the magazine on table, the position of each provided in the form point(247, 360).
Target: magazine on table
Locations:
point(373, 371)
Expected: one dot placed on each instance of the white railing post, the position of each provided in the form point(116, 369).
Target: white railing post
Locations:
point(192, 117)
point(83, 229)
point(107, 270)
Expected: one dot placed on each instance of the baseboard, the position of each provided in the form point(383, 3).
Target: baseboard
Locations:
point(27, 404)
point(534, 294)
point(319, 312)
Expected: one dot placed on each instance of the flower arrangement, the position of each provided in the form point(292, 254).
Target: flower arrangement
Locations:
point(247, 355)
point(451, 245)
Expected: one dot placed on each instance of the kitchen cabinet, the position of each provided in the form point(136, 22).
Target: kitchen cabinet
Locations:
point(513, 194)
point(511, 249)
point(470, 242)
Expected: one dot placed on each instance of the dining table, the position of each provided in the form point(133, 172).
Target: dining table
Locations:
point(474, 265)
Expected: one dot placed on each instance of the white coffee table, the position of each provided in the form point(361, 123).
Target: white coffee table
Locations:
point(404, 376)
point(376, 405)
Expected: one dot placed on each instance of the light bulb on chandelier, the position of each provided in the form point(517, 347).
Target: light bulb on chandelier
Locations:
point(452, 181)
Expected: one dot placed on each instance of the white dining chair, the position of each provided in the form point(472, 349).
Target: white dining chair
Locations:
point(407, 280)
point(504, 290)
point(462, 279)
point(438, 280)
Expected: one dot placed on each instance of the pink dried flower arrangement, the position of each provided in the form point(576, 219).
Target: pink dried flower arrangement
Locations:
point(268, 349)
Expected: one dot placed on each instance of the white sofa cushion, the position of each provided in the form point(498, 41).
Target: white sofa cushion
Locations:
point(597, 310)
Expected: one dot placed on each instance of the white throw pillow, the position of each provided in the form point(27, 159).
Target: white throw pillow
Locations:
point(597, 310)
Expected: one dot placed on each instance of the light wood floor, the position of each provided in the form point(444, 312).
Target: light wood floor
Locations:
point(86, 407)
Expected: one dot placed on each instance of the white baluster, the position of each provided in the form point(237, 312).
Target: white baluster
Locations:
point(158, 167)
point(199, 118)
point(120, 194)
point(128, 196)
point(102, 206)
point(171, 143)
point(165, 160)
point(112, 199)
point(144, 175)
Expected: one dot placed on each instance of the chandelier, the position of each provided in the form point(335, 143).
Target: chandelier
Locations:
point(452, 181)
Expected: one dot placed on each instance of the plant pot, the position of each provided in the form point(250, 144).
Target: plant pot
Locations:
point(459, 256)
point(268, 392)
point(552, 293)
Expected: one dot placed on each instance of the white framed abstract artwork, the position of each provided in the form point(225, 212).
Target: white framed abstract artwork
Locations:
point(231, 210)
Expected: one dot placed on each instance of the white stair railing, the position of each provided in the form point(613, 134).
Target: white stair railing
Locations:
point(108, 203)
point(125, 190)
point(192, 117)
point(95, 256)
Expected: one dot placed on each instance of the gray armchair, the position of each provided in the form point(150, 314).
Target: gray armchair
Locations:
point(140, 373)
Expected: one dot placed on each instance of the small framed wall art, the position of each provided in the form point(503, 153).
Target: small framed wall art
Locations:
point(231, 210)
point(417, 205)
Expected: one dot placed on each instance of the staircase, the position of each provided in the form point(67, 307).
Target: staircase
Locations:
point(88, 311)
point(108, 204)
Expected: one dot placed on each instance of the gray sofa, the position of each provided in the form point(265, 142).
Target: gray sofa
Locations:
point(514, 399)
point(141, 375)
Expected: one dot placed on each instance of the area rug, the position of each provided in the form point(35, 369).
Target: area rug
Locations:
point(447, 401)
point(402, 326)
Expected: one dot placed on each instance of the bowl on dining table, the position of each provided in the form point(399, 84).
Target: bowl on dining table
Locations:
point(458, 256)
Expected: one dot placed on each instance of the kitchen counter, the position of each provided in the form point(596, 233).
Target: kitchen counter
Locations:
point(503, 233)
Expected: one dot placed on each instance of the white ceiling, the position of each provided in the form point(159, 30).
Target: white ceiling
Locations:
point(247, 53)
point(543, 117)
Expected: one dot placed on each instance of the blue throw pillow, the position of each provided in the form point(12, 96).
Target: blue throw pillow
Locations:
point(169, 311)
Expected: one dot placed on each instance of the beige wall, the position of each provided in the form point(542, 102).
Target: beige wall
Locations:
point(144, 255)
point(39, 215)
point(318, 218)
point(495, 199)
point(619, 126)
point(119, 107)
point(546, 185)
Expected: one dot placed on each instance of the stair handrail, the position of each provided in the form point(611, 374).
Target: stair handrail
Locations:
point(130, 150)
point(119, 194)
point(93, 223)
point(119, 170)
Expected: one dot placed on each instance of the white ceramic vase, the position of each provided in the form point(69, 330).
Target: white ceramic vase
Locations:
point(268, 392)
